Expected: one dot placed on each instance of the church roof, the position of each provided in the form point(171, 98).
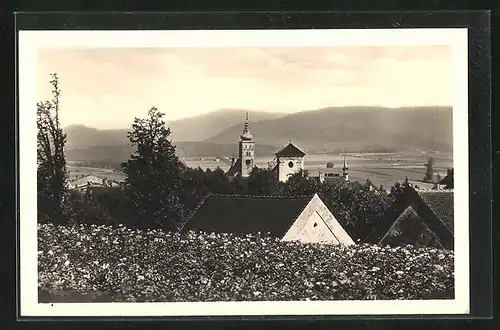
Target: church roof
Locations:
point(247, 214)
point(290, 151)
point(235, 168)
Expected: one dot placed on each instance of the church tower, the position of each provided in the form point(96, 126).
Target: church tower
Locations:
point(246, 150)
point(290, 160)
point(345, 170)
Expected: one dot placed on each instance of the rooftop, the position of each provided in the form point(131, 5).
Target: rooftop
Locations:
point(441, 204)
point(244, 214)
point(290, 151)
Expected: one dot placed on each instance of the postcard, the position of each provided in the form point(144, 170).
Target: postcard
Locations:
point(243, 172)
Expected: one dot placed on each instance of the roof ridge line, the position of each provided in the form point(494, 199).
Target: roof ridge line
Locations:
point(260, 196)
point(194, 212)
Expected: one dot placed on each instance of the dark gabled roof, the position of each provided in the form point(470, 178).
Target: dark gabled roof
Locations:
point(441, 204)
point(235, 169)
point(247, 214)
point(290, 151)
point(434, 207)
point(409, 228)
point(448, 179)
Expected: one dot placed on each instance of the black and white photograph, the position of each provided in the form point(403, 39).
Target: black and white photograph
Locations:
point(261, 172)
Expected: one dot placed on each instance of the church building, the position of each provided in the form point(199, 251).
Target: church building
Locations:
point(246, 154)
point(290, 160)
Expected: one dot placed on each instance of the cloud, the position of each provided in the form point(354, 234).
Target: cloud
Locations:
point(109, 87)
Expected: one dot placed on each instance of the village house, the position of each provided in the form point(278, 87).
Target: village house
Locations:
point(90, 181)
point(329, 174)
point(447, 181)
point(420, 218)
point(305, 219)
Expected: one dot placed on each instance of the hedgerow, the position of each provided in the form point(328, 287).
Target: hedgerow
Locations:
point(132, 265)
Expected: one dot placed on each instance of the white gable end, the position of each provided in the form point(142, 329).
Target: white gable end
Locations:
point(316, 224)
point(316, 230)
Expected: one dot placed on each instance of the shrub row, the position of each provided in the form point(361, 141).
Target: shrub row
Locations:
point(132, 265)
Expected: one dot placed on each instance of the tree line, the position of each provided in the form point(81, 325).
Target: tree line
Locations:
point(161, 192)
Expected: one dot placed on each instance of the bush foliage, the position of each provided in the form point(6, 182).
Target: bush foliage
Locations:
point(153, 265)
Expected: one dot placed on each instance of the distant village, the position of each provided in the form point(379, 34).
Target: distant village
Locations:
point(422, 217)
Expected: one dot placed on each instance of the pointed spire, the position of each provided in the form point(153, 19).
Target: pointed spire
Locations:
point(345, 170)
point(246, 135)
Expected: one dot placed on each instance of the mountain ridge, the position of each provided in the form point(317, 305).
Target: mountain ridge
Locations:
point(331, 129)
point(368, 127)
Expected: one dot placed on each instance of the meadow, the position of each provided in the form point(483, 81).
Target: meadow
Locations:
point(76, 172)
point(380, 168)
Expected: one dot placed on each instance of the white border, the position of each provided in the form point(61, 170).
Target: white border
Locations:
point(30, 41)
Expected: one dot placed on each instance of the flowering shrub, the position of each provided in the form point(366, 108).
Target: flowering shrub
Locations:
point(132, 265)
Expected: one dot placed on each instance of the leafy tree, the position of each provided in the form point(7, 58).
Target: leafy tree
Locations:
point(263, 182)
point(194, 187)
point(358, 209)
point(300, 184)
point(240, 185)
point(396, 191)
point(52, 175)
point(218, 182)
point(154, 173)
point(368, 184)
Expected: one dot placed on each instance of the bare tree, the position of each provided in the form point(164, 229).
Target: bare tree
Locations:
point(52, 174)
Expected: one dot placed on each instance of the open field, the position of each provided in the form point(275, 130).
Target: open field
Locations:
point(79, 171)
point(381, 169)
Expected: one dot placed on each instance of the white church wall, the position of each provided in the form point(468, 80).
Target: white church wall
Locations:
point(284, 168)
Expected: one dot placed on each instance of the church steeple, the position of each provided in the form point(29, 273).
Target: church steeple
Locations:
point(345, 170)
point(246, 135)
point(246, 150)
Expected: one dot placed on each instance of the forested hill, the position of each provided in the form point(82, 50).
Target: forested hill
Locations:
point(355, 127)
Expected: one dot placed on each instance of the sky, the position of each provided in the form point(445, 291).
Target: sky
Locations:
point(107, 88)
